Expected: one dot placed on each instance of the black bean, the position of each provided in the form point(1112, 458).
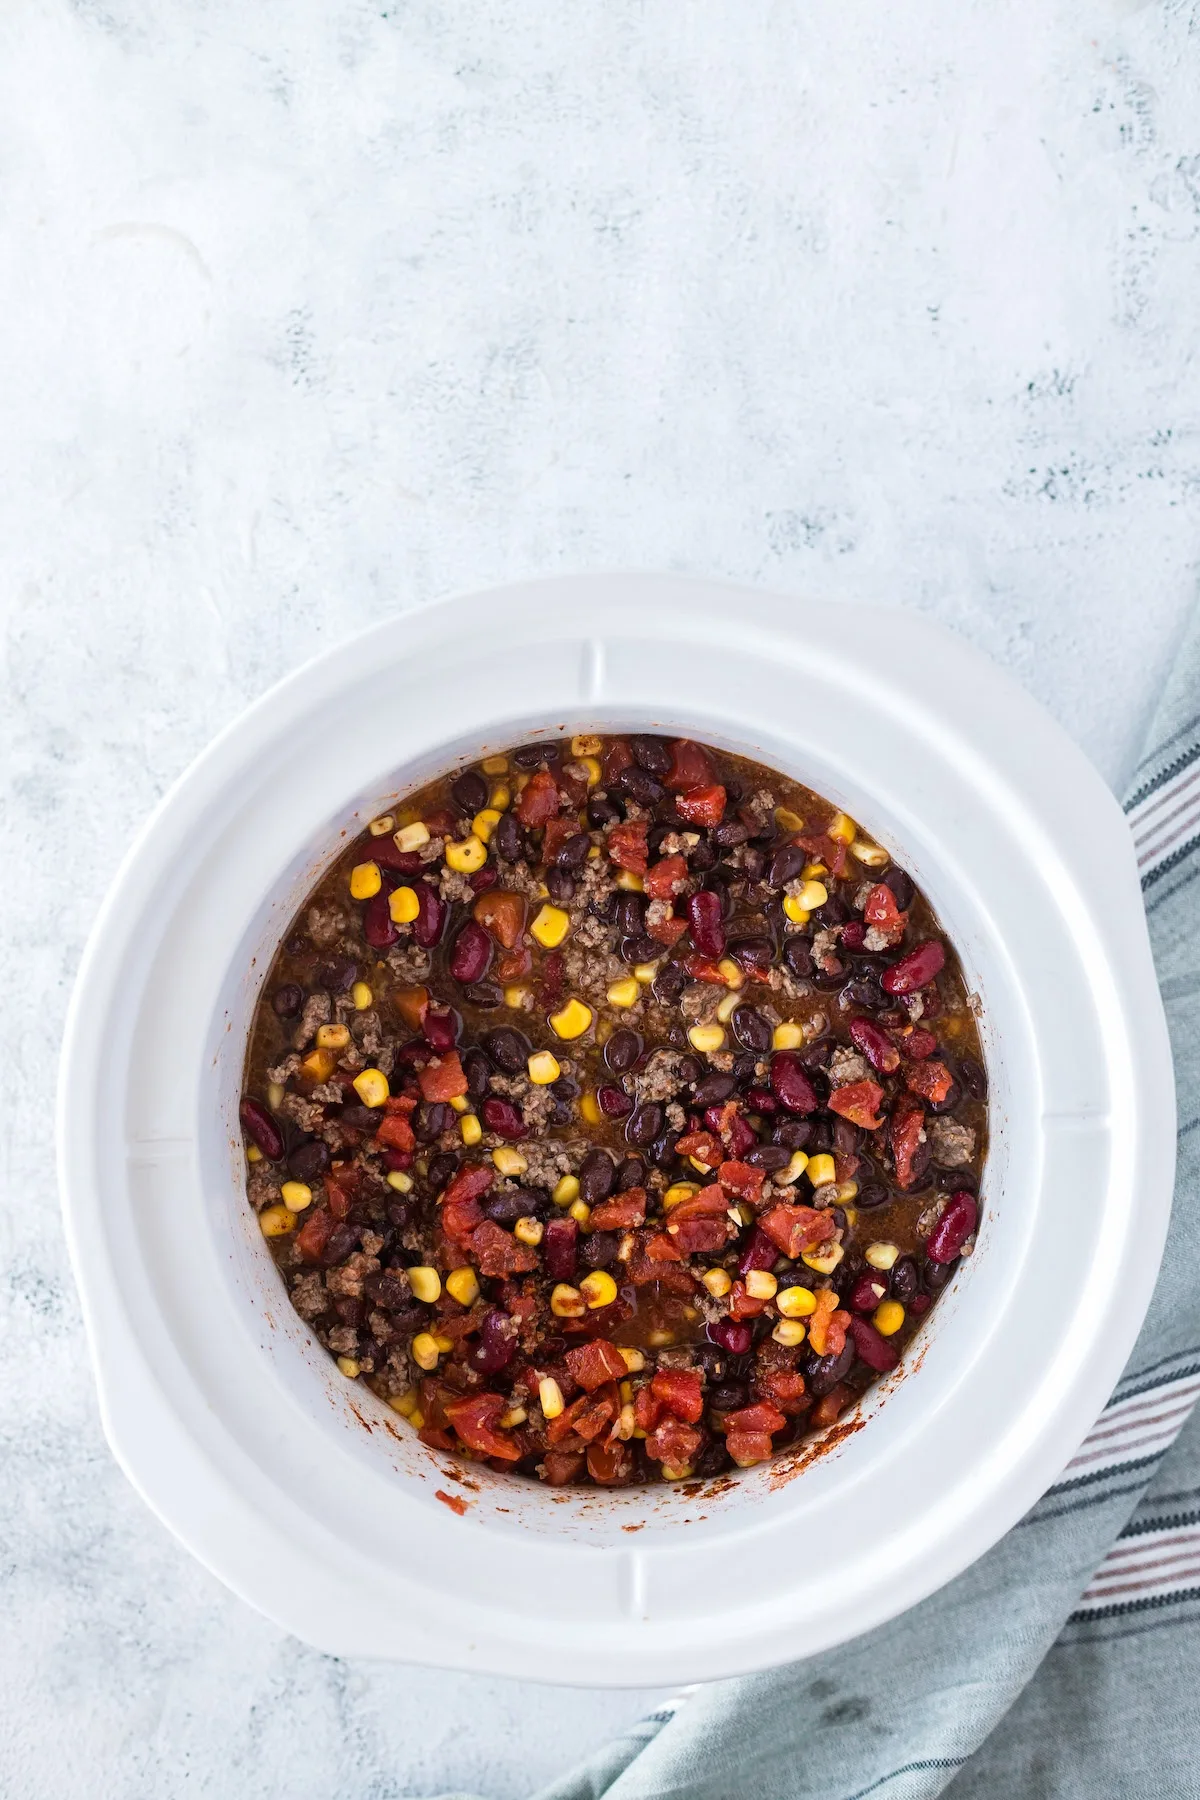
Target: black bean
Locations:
point(846, 1137)
point(431, 1118)
point(631, 1174)
point(949, 1102)
point(560, 885)
point(730, 834)
point(972, 1076)
point(631, 912)
point(714, 1089)
point(864, 991)
point(477, 1069)
point(469, 792)
point(599, 1249)
point(728, 1396)
point(905, 1280)
point(922, 1158)
point(340, 1242)
point(640, 786)
point(508, 838)
point(752, 952)
point(622, 1050)
point(745, 1068)
point(565, 1088)
point(531, 756)
point(934, 1276)
point(822, 1373)
point(651, 753)
point(901, 886)
point(645, 1123)
point(834, 912)
point(669, 983)
point(288, 999)
point(308, 1160)
point(750, 1028)
point(596, 1177)
point(689, 1069)
point(506, 1209)
point(662, 1151)
point(338, 975)
point(602, 811)
point(574, 853)
point(702, 856)
point(793, 1134)
point(786, 864)
point(870, 1194)
point(402, 1213)
point(442, 1169)
point(642, 949)
point(797, 954)
point(361, 1118)
point(508, 1049)
point(486, 996)
point(769, 1157)
point(754, 861)
point(822, 1137)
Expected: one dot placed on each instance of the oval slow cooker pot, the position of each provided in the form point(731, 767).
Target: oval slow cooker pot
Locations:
point(314, 1501)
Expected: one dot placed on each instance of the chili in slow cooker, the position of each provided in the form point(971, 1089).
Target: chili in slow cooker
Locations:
point(615, 1110)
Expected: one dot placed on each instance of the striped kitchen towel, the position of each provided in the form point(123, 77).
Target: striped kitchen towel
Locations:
point(1063, 1665)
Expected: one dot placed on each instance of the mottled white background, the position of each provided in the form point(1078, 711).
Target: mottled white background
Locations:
point(309, 311)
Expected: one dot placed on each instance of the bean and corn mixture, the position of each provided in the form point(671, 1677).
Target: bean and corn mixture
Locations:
point(615, 1111)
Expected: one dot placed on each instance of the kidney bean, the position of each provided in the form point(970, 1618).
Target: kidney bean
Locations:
point(431, 917)
point(853, 934)
point(866, 1291)
point(502, 1117)
point(470, 953)
point(651, 753)
point(496, 1344)
point(308, 1160)
point(631, 1174)
point(261, 1128)
point(622, 1050)
point(872, 1347)
point(901, 886)
point(916, 970)
point(704, 917)
point(644, 1124)
point(440, 1028)
point(952, 1230)
point(973, 1077)
point(750, 1028)
point(870, 1194)
point(288, 1000)
point(469, 792)
point(759, 1253)
point(559, 885)
point(875, 1045)
point(508, 1049)
point(919, 1305)
point(613, 1102)
point(797, 954)
point(789, 1083)
point(733, 1335)
point(596, 1177)
point(822, 1373)
point(378, 928)
point(559, 1249)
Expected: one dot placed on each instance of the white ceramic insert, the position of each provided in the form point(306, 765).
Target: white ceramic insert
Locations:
point(317, 1504)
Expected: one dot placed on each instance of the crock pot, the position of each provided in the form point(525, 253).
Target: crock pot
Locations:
point(315, 1502)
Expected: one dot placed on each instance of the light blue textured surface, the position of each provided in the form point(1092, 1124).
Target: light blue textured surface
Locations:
point(314, 311)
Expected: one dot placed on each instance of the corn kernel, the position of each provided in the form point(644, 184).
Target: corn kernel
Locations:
point(424, 1351)
point(425, 1283)
point(332, 1037)
point(812, 895)
point(718, 1282)
point(543, 1068)
point(580, 1211)
point(881, 1255)
point(728, 1006)
point(509, 1161)
point(787, 1036)
point(550, 1397)
point(253, 1153)
point(761, 1284)
point(276, 1221)
point(586, 745)
point(517, 998)
point(550, 926)
point(872, 856)
point(396, 1178)
point(787, 820)
point(529, 1230)
point(372, 1087)
point(296, 1195)
point(403, 905)
point(458, 1103)
point(625, 992)
point(463, 1285)
point(594, 771)
point(589, 1109)
point(846, 1192)
point(679, 1190)
point(318, 1065)
point(349, 1367)
point(795, 1169)
point(821, 1169)
point(566, 1190)
point(598, 1288)
point(365, 879)
point(381, 826)
point(275, 1095)
point(466, 854)
point(484, 823)
point(634, 1361)
point(841, 829)
point(813, 871)
point(644, 973)
point(469, 1129)
point(794, 911)
point(623, 1430)
point(796, 1302)
point(629, 882)
point(361, 995)
point(406, 1403)
point(729, 972)
point(494, 765)
point(500, 798)
point(572, 1021)
point(789, 1332)
point(445, 1344)
point(824, 1265)
point(411, 837)
point(567, 1302)
point(706, 1038)
point(888, 1317)
point(516, 1415)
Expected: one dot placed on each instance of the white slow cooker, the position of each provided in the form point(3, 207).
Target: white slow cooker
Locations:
point(315, 1502)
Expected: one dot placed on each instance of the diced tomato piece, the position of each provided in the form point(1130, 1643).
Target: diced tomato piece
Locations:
point(313, 1236)
point(904, 1134)
point(564, 1425)
point(743, 1305)
point(666, 878)
point(748, 1447)
point(514, 965)
point(673, 1443)
point(476, 1420)
point(759, 1416)
point(697, 1236)
point(832, 1405)
point(667, 931)
point(882, 912)
point(702, 805)
point(558, 831)
point(621, 1213)
point(626, 846)
point(822, 848)
point(660, 1249)
point(647, 1408)
point(443, 1078)
point(611, 1464)
point(741, 1178)
point(680, 1392)
point(395, 1133)
point(703, 1145)
point(782, 1387)
point(690, 765)
point(827, 1325)
point(562, 1466)
point(469, 1182)
point(703, 968)
point(708, 1203)
point(858, 1101)
point(538, 800)
point(501, 913)
point(597, 1413)
point(797, 1229)
point(499, 1254)
point(916, 1043)
point(553, 982)
point(617, 758)
point(458, 1220)
point(341, 1188)
point(411, 1003)
point(932, 1080)
point(594, 1363)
